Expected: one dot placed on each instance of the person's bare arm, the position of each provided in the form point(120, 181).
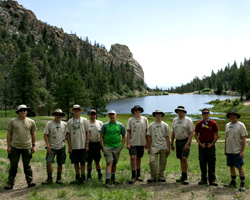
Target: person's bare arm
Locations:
point(186, 147)
point(69, 142)
point(123, 141)
point(33, 139)
point(172, 141)
point(9, 137)
point(102, 141)
point(46, 139)
point(128, 139)
point(216, 136)
point(87, 141)
point(243, 144)
point(168, 144)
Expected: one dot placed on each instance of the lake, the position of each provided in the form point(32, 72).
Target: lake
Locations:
point(166, 103)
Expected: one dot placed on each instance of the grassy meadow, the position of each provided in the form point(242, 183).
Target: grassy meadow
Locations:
point(96, 190)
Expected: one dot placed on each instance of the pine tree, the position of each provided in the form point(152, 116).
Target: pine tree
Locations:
point(25, 82)
point(98, 103)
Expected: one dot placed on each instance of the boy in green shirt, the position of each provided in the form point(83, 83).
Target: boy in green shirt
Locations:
point(112, 145)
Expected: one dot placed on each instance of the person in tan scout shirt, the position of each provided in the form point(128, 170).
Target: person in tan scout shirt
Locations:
point(158, 136)
point(20, 141)
point(136, 141)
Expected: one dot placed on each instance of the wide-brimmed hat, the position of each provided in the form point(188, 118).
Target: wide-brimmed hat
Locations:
point(138, 108)
point(180, 108)
point(21, 107)
point(92, 111)
point(158, 112)
point(233, 112)
point(58, 111)
point(111, 112)
point(76, 107)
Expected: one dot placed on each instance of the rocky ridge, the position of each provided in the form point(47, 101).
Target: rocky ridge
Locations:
point(11, 15)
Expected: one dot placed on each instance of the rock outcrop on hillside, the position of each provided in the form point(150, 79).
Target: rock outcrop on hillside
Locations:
point(12, 14)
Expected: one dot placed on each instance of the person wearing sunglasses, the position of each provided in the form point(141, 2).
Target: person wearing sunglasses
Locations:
point(20, 141)
point(54, 137)
point(77, 133)
point(94, 152)
point(206, 134)
point(137, 127)
point(182, 132)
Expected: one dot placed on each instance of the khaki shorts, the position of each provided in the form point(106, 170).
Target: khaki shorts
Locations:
point(111, 154)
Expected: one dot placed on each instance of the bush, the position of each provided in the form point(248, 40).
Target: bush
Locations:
point(236, 102)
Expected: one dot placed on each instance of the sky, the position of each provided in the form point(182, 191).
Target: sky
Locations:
point(173, 40)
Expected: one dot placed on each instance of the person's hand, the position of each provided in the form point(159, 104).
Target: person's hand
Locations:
point(172, 147)
point(87, 147)
point(149, 150)
point(128, 146)
point(146, 146)
point(210, 145)
point(241, 154)
point(49, 150)
point(168, 152)
point(70, 150)
point(202, 145)
point(33, 149)
point(186, 147)
point(9, 150)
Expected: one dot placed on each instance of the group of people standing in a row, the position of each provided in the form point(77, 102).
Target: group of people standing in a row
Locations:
point(86, 139)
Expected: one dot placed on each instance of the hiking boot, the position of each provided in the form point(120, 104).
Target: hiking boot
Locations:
point(113, 181)
point(185, 181)
point(180, 180)
point(107, 183)
point(213, 183)
point(31, 184)
point(81, 180)
point(202, 182)
point(151, 180)
point(132, 180)
point(232, 184)
point(162, 180)
point(59, 181)
point(242, 187)
point(138, 178)
point(48, 181)
point(8, 187)
point(100, 177)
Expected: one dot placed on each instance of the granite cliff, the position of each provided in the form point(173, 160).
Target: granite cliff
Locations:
point(13, 16)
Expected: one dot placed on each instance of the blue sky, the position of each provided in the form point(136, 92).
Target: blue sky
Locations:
point(173, 40)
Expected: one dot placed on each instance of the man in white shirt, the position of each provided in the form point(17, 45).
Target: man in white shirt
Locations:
point(235, 143)
point(182, 131)
point(137, 127)
point(77, 130)
point(54, 137)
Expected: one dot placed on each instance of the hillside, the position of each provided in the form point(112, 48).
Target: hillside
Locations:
point(38, 60)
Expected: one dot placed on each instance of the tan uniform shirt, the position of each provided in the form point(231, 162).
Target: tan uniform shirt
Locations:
point(182, 127)
point(56, 134)
point(138, 130)
point(234, 134)
point(159, 133)
point(21, 132)
point(77, 129)
point(94, 131)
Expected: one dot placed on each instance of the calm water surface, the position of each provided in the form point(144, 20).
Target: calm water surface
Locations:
point(167, 103)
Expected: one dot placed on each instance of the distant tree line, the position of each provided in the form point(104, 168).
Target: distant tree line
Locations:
point(231, 78)
point(41, 72)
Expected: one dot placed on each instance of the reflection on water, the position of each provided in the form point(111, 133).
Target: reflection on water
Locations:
point(167, 103)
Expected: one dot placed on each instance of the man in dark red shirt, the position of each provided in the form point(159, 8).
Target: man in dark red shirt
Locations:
point(206, 134)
